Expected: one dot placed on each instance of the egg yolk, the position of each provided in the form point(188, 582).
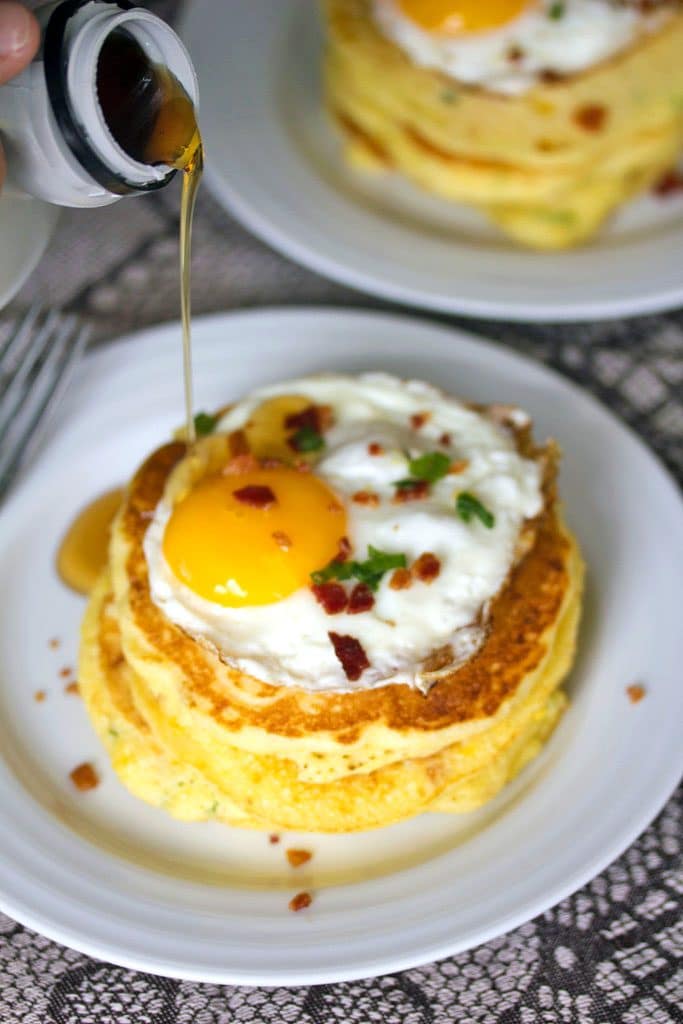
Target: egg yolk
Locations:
point(253, 538)
point(453, 17)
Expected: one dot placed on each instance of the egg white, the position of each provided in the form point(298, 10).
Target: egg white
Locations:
point(287, 643)
point(511, 59)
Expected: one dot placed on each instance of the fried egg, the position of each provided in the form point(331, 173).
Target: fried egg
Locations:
point(508, 45)
point(368, 528)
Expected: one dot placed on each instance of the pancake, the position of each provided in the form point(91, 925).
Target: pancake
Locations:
point(104, 680)
point(460, 779)
point(548, 166)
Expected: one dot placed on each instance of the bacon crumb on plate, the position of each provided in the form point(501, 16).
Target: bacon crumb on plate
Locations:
point(39, 696)
point(72, 688)
point(84, 777)
point(273, 838)
point(298, 857)
point(375, 449)
point(300, 901)
point(65, 672)
point(53, 643)
point(635, 692)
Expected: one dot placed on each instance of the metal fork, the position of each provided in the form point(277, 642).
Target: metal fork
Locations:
point(36, 363)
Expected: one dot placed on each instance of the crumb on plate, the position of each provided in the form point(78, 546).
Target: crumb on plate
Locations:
point(84, 777)
point(300, 901)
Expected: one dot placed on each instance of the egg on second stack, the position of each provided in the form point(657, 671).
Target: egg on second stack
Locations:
point(353, 601)
point(544, 115)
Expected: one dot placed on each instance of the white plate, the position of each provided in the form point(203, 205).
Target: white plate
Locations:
point(25, 229)
point(274, 160)
point(109, 875)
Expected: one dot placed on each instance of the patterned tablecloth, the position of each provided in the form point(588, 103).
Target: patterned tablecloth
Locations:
point(611, 953)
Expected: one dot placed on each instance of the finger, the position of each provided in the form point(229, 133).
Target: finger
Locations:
point(19, 38)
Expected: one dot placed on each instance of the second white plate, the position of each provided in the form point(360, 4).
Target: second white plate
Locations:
point(274, 160)
point(105, 873)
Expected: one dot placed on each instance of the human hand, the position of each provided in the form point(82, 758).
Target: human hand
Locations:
point(19, 38)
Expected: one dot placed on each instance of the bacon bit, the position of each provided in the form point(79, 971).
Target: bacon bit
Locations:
point(669, 184)
point(427, 567)
point(72, 688)
point(635, 692)
point(238, 443)
point(314, 417)
point(334, 506)
point(445, 440)
point(418, 419)
point(282, 539)
point(245, 463)
point(84, 777)
point(361, 599)
point(459, 466)
point(415, 491)
point(298, 857)
point(515, 53)
point(344, 550)
point(39, 696)
point(256, 495)
point(273, 838)
point(331, 596)
point(53, 643)
point(66, 672)
point(375, 449)
point(550, 77)
point(591, 117)
point(300, 901)
point(401, 579)
point(366, 498)
point(351, 655)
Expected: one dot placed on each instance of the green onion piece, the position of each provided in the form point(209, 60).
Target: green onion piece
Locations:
point(307, 439)
point(205, 424)
point(431, 466)
point(556, 11)
point(467, 506)
point(369, 572)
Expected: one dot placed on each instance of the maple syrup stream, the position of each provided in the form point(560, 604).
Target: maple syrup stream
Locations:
point(151, 116)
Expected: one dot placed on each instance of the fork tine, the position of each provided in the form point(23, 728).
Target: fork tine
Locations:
point(47, 388)
point(17, 338)
point(18, 386)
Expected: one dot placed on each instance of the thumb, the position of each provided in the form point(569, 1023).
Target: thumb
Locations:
point(19, 38)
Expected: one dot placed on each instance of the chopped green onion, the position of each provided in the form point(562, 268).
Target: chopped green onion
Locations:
point(370, 571)
point(467, 506)
point(205, 424)
point(306, 439)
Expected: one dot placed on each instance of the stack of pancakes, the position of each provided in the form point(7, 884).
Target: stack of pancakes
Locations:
point(188, 733)
point(547, 166)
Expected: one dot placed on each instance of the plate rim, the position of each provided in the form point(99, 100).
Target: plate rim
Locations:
point(427, 954)
point(308, 253)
